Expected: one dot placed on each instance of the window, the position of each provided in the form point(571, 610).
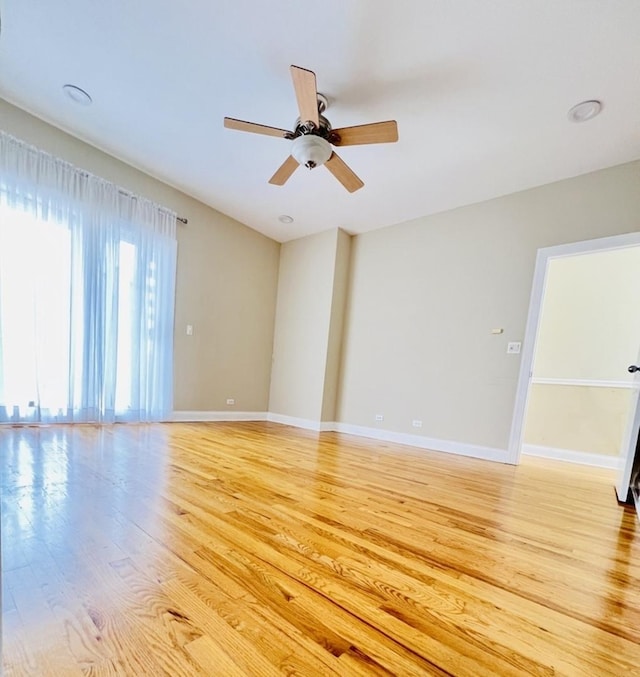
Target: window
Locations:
point(87, 279)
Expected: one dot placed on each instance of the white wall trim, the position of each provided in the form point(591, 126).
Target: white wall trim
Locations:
point(571, 456)
point(533, 321)
point(417, 441)
point(583, 382)
point(305, 423)
point(447, 446)
point(194, 416)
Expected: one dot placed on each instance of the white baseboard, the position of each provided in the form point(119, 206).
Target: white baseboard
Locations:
point(307, 424)
point(433, 444)
point(571, 456)
point(418, 441)
point(193, 416)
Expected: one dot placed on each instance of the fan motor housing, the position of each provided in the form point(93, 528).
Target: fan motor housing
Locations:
point(308, 127)
point(324, 130)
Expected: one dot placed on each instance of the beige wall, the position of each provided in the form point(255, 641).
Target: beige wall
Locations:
point(226, 281)
point(577, 418)
point(336, 326)
point(589, 327)
point(426, 294)
point(587, 332)
point(302, 352)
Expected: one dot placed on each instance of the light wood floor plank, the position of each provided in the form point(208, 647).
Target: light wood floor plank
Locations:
point(258, 549)
point(212, 659)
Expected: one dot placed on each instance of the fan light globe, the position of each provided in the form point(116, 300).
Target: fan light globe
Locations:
point(310, 150)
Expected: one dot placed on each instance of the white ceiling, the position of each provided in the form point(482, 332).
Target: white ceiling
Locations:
point(480, 91)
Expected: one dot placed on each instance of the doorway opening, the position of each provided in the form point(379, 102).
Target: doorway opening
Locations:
point(576, 400)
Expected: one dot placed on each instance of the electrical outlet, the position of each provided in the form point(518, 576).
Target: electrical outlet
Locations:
point(417, 424)
point(379, 417)
point(513, 347)
point(231, 401)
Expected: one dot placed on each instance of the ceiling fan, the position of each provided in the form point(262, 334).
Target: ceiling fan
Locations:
point(313, 135)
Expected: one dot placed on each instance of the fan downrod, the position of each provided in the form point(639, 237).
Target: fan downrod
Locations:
point(323, 103)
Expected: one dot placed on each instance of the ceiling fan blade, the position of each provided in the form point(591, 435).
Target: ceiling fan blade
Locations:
point(283, 172)
point(376, 132)
point(304, 82)
point(343, 173)
point(242, 126)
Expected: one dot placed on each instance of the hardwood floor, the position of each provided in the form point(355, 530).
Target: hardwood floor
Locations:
point(258, 549)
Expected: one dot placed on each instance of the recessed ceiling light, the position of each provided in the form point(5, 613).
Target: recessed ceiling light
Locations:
point(77, 95)
point(285, 218)
point(584, 111)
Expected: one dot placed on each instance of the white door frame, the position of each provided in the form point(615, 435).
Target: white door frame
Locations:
point(531, 332)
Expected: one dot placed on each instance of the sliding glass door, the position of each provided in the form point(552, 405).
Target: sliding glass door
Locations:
point(86, 319)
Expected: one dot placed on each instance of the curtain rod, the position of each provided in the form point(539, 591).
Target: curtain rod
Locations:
point(83, 172)
point(122, 191)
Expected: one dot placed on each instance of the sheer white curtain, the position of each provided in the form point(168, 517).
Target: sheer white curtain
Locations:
point(87, 286)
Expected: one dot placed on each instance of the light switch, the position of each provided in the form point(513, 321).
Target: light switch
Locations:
point(513, 347)
point(189, 330)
